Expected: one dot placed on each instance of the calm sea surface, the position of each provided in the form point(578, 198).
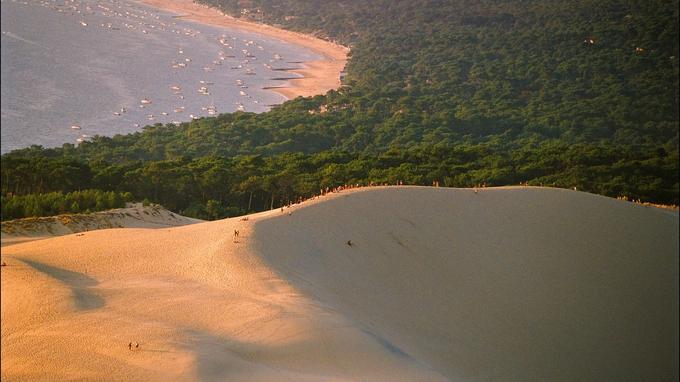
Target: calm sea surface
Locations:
point(75, 69)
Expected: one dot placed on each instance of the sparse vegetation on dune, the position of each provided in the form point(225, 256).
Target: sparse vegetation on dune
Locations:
point(133, 215)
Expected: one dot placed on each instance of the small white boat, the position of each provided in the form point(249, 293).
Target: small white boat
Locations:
point(75, 127)
point(145, 101)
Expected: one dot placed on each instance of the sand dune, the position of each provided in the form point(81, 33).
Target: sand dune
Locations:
point(437, 284)
point(135, 215)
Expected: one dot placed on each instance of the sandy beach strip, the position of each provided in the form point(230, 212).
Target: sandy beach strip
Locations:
point(318, 76)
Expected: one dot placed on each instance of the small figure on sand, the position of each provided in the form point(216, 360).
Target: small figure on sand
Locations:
point(349, 242)
point(130, 346)
point(235, 233)
point(136, 345)
point(4, 264)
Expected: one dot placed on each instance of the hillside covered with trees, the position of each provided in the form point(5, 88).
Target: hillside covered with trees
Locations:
point(458, 92)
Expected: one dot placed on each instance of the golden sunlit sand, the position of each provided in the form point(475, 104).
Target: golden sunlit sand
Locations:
point(374, 284)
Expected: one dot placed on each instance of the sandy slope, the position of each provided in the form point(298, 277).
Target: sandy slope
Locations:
point(318, 77)
point(438, 284)
point(135, 215)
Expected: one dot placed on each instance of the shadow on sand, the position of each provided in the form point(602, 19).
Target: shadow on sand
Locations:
point(78, 282)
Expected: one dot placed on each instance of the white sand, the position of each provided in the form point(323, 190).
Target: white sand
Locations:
point(438, 284)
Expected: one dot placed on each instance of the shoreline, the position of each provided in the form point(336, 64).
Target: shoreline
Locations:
point(318, 77)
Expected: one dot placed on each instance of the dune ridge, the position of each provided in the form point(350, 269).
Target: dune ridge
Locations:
point(134, 215)
point(395, 283)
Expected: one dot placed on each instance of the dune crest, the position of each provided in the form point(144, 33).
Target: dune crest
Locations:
point(399, 283)
point(135, 215)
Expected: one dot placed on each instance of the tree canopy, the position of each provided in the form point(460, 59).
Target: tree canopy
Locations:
point(569, 94)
